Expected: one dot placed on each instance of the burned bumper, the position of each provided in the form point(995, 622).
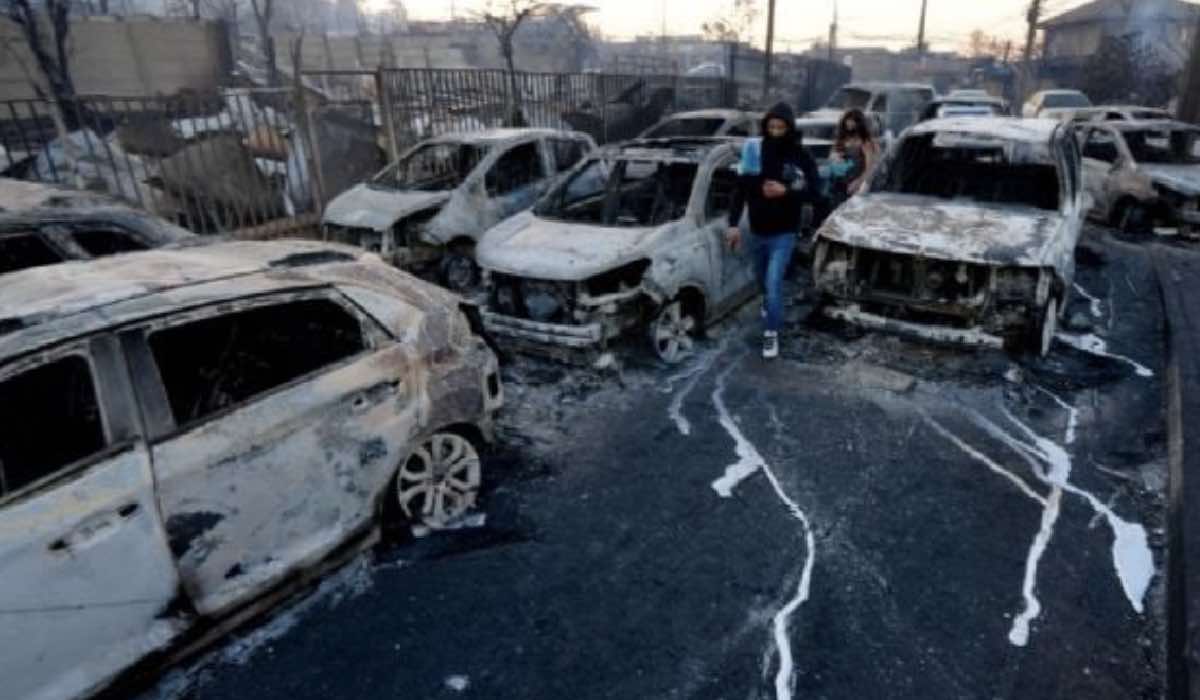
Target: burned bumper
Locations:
point(571, 336)
point(976, 337)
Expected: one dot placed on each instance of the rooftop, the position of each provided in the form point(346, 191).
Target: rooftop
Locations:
point(1125, 11)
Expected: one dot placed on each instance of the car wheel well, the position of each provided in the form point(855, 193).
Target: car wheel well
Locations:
point(392, 523)
point(694, 303)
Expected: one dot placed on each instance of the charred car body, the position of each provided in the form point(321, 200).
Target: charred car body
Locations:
point(188, 431)
point(1144, 176)
point(631, 241)
point(705, 123)
point(966, 233)
point(425, 212)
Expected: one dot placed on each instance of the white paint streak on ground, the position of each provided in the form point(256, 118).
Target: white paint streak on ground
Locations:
point(458, 683)
point(1132, 559)
point(1095, 301)
point(693, 376)
point(984, 459)
point(750, 461)
point(1095, 345)
point(1072, 415)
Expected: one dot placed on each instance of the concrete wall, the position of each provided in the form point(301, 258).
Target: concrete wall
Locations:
point(127, 57)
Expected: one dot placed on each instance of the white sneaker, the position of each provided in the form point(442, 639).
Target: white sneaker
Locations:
point(770, 345)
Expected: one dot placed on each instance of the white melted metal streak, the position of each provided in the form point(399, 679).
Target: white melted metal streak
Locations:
point(693, 376)
point(1095, 301)
point(750, 461)
point(1095, 345)
point(1051, 463)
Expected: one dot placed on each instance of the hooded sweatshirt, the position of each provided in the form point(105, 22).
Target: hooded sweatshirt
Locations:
point(782, 160)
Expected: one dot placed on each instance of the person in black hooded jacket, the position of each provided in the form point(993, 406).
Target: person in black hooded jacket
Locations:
point(777, 176)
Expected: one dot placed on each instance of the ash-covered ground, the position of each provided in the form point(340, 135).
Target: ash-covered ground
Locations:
point(868, 516)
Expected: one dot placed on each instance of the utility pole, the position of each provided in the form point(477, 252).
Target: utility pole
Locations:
point(1033, 16)
point(833, 29)
point(1189, 99)
point(770, 48)
point(921, 29)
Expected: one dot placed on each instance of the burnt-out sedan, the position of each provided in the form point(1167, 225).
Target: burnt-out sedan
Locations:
point(632, 242)
point(966, 233)
point(187, 431)
point(425, 212)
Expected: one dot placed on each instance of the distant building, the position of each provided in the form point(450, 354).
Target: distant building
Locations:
point(1073, 37)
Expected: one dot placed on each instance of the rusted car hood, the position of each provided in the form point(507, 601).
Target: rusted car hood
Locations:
point(363, 206)
point(1184, 179)
point(528, 246)
point(936, 228)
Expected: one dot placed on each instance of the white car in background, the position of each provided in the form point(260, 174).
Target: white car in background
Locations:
point(1062, 105)
point(705, 123)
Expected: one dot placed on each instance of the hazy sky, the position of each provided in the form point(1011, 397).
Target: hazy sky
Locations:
point(863, 22)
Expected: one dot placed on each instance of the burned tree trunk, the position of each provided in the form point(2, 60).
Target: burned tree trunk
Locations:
point(263, 11)
point(50, 53)
point(1189, 101)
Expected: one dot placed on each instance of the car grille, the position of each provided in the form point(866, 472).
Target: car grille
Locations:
point(534, 300)
point(919, 279)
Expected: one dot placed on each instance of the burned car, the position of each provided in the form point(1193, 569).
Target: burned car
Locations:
point(966, 233)
point(82, 228)
point(188, 431)
point(1143, 175)
point(706, 123)
point(632, 241)
point(425, 212)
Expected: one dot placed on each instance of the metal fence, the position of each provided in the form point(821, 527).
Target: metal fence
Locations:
point(419, 103)
point(223, 162)
point(268, 160)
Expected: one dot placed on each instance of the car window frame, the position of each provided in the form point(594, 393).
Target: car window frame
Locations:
point(538, 148)
point(151, 391)
point(120, 419)
point(62, 234)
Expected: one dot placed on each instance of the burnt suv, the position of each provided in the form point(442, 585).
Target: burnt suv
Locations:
point(965, 233)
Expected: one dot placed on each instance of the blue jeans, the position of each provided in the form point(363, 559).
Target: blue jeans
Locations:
point(771, 256)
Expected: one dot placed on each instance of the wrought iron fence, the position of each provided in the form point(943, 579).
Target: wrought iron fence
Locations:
point(223, 162)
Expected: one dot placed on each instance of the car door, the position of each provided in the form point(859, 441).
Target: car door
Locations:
point(1100, 158)
point(280, 420)
point(730, 271)
point(88, 581)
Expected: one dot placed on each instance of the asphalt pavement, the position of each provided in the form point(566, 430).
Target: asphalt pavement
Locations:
point(868, 516)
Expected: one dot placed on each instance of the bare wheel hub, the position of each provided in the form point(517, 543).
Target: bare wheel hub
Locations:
point(671, 332)
point(440, 481)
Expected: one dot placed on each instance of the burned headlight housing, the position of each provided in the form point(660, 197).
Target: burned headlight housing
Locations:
point(617, 280)
point(1020, 284)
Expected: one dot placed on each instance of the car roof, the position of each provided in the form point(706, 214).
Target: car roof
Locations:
point(1062, 91)
point(688, 149)
point(1141, 124)
point(881, 85)
point(48, 304)
point(1007, 128)
point(497, 135)
point(21, 195)
point(712, 114)
point(148, 225)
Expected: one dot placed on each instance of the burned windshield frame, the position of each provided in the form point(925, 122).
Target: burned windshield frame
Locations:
point(1180, 146)
point(449, 169)
point(850, 98)
point(664, 193)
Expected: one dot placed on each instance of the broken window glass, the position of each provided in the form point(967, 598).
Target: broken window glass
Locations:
point(215, 363)
point(1165, 147)
point(24, 250)
point(720, 192)
point(434, 167)
point(51, 420)
point(1061, 100)
point(686, 128)
point(520, 167)
point(975, 171)
point(1101, 146)
point(849, 98)
point(99, 243)
point(623, 193)
point(567, 152)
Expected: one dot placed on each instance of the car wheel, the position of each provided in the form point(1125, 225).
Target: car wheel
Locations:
point(1133, 219)
point(440, 481)
point(459, 271)
point(1041, 335)
point(671, 332)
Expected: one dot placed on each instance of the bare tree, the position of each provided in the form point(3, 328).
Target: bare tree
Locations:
point(504, 23)
point(50, 53)
point(263, 12)
point(735, 25)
